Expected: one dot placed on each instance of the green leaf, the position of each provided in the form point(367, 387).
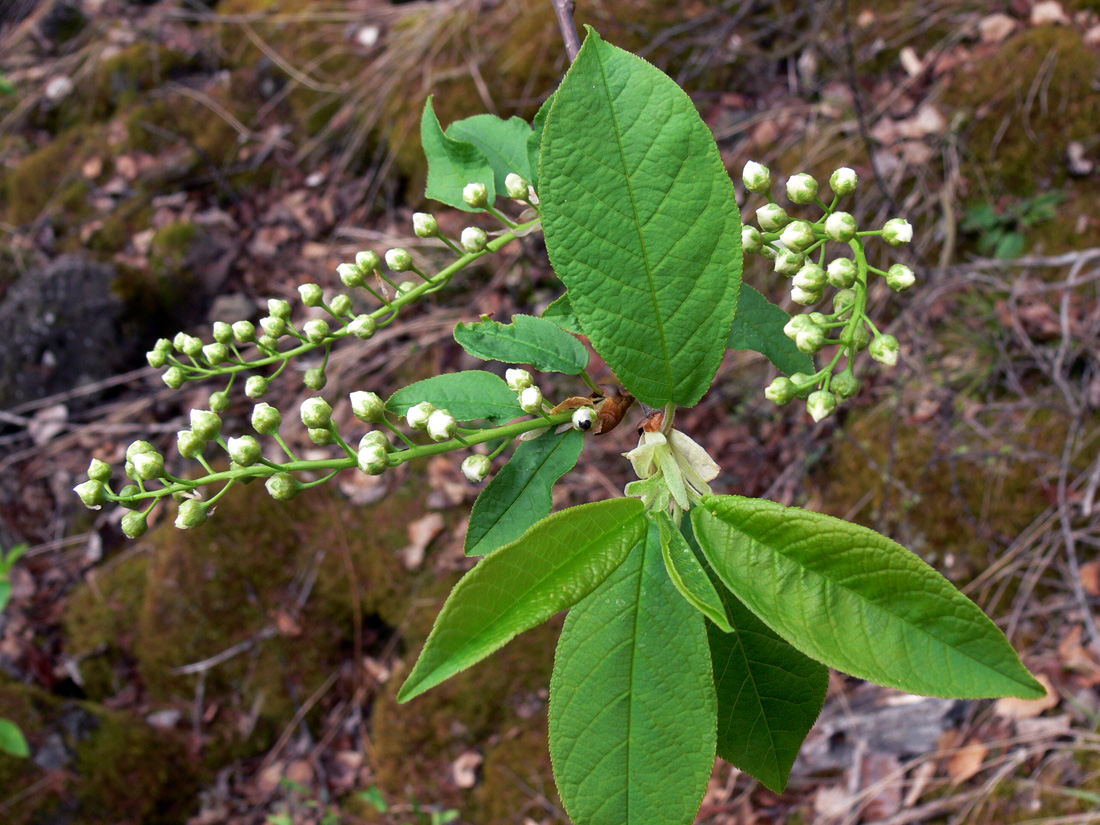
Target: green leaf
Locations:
point(641, 223)
point(452, 164)
point(758, 326)
point(534, 140)
point(527, 340)
point(857, 601)
point(521, 493)
point(5, 594)
point(468, 396)
point(502, 142)
point(561, 313)
point(12, 741)
point(632, 701)
point(688, 575)
point(549, 568)
point(769, 694)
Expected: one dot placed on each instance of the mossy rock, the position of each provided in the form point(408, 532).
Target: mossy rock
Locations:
point(50, 178)
point(108, 768)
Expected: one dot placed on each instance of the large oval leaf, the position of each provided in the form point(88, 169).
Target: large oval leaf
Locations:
point(452, 164)
point(857, 601)
point(632, 701)
point(527, 340)
point(551, 567)
point(522, 492)
point(503, 142)
point(758, 326)
point(468, 396)
point(641, 223)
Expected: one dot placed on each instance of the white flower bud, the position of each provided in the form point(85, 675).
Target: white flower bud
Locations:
point(517, 379)
point(772, 217)
point(192, 513)
point(810, 277)
point(282, 486)
point(769, 251)
point(278, 308)
point(192, 346)
point(801, 188)
point(216, 353)
point(584, 418)
point(845, 385)
point(885, 349)
point(475, 195)
point(473, 239)
point(351, 275)
point(312, 294)
point(811, 340)
point(268, 342)
point(367, 261)
point(897, 232)
point(418, 414)
point(340, 305)
point(206, 424)
point(802, 384)
point(364, 327)
point(798, 235)
point(530, 399)
point(256, 386)
point(376, 437)
point(315, 379)
point(134, 525)
point(780, 391)
point(756, 177)
point(788, 261)
point(840, 226)
point(751, 239)
point(441, 426)
point(821, 404)
point(273, 326)
point(843, 302)
point(320, 436)
point(148, 466)
point(842, 272)
point(516, 187)
point(99, 470)
point(900, 277)
point(398, 259)
point(316, 330)
point(156, 358)
point(372, 459)
point(316, 413)
point(92, 493)
point(806, 297)
point(189, 444)
point(477, 467)
point(163, 345)
point(245, 450)
point(244, 331)
point(223, 333)
point(425, 225)
point(405, 287)
point(367, 406)
point(843, 181)
point(797, 324)
point(266, 420)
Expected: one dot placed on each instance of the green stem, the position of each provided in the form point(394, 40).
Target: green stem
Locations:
point(591, 384)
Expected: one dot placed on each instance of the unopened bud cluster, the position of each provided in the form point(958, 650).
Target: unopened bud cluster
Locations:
point(798, 249)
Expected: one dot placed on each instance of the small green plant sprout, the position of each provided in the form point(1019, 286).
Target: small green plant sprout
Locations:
point(1002, 233)
point(12, 741)
point(699, 623)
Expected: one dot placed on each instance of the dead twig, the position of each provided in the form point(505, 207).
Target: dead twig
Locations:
point(564, 11)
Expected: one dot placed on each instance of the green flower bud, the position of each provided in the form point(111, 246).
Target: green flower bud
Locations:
point(278, 308)
point(134, 525)
point(441, 426)
point(780, 391)
point(475, 195)
point(311, 294)
point(584, 418)
point(405, 287)
point(858, 338)
point(477, 467)
point(138, 447)
point(178, 341)
point(473, 239)
point(398, 260)
point(223, 333)
point(885, 349)
point(216, 353)
point(802, 384)
point(425, 225)
point(282, 486)
point(798, 235)
point(797, 324)
point(843, 302)
point(206, 424)
point(843, 181)
point(363, 327)
point(320, 437)
point(244, 331)
point(99, 470)
point(174, 377)
point(256, 386)
point(756, 177)
point(192, 513)
point(516, 187)
point(801, 188)
point(788, 261)
point(810, 277)
point(772, 217)
point(351, 275)
point(148, 466)
point(769, 251)
point(810, 341)
point(156, 358)
point(372, 459)
point(367, 406)
point(530, 400)
point(268, 342)
point(897, 232)
point(842, 272)
point(92, 493)
point(806, 297)
point(900, 277)
point(418, 414)
point(517, 379)
point(273, 326)
point(340, 306)
point(219, 401)
point(751, 239)
point(245, 450)
point(266, 420)
point(367, 261)
point(126, 496)
point(376, 437)
point(163, 345)
point(189, 444)
point(315, 379)
point(192, 346)
point(845, 385)
point(840, 226)
point(316, 413)
point(316, 330)
point(821, 404)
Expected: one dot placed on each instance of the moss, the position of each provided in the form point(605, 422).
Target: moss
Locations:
point(49, 178)
point(514, 771)
point(118, 770)
point(124, 78)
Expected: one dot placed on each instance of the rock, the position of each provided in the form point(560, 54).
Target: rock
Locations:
point(1048, 12)
point(995, 28)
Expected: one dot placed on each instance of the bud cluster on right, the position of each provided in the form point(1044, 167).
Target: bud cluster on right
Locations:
point(797, 248)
